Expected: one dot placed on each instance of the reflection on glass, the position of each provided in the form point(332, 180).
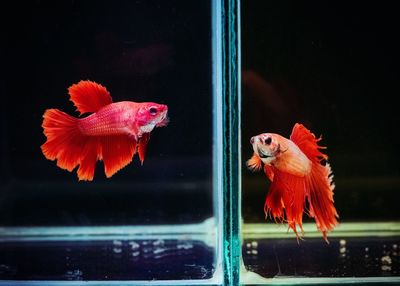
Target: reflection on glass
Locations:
point(330, 68)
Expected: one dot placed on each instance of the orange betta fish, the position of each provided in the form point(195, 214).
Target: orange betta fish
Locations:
point(113, 133)
point(299, 173)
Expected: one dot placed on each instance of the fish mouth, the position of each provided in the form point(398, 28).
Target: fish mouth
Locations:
point(163, 122)
point(264, 155)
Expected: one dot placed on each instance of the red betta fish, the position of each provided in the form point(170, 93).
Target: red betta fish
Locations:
point(112, 133)
point(299, 173)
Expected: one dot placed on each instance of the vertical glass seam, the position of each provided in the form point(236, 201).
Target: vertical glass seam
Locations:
point(231, 132)
point(217, 134)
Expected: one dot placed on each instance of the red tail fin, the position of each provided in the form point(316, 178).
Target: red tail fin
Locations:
point(66, 144)
point(319, 182)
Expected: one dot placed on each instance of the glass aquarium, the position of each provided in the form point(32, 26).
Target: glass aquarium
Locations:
point(157, 222)
point(190, 91)
point(330, 66)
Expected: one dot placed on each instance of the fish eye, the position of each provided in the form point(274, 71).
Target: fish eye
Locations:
point(153, 110)
point(267, 140)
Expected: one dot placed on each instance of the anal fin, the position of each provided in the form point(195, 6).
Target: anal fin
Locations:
point(117, 152)
point(287, 192)
point(89, 157)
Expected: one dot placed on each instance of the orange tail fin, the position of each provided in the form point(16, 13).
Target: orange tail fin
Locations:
point(319, 183)
point(70, 148)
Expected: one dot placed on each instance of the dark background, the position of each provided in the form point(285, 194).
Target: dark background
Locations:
point(141, 51)
point(332, 66)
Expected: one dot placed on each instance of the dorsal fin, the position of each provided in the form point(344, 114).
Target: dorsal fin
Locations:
point(307, 143)
point(89, 96)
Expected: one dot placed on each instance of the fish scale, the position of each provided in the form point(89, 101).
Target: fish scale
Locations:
point(113, 119)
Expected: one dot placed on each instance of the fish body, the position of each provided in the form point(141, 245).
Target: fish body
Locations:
point(113, 132)
point(299, 178)
point(126, 117)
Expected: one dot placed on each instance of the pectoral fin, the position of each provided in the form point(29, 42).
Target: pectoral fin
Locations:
point(143, 146)
point(254, 163)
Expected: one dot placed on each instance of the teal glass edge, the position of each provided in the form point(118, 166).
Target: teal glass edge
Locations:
point(231, 104)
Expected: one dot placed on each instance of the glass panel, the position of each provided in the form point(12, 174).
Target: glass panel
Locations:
point(153, 221)
point(329, 67)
